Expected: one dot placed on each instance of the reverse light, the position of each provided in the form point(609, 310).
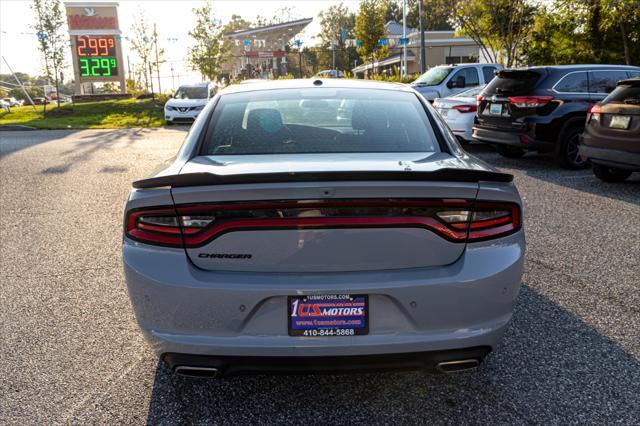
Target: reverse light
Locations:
point(530, 101)
point(466, 108)
point(457, 221)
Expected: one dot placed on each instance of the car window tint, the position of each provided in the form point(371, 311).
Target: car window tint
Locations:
point(634, 74)
point(575, 82)
point(605, 81)
point(319, 120)
point(470, 76)
point(488, 73)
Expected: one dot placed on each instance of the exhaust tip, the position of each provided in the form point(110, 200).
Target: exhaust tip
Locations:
point(458, 365)
point(198, 372)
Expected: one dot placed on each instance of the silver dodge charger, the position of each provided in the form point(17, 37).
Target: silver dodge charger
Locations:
point(322, 225)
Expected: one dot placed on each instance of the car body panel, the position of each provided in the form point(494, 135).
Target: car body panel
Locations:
point(441, 90)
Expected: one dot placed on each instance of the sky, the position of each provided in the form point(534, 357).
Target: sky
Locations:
point(174, 19)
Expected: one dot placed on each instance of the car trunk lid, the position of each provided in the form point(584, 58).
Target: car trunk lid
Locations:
point(295, 213)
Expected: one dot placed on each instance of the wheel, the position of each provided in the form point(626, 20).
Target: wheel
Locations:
point(567, 154)
point(510, 151)
point(610, 174)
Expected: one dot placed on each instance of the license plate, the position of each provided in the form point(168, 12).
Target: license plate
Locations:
point(495, 109)
point(620, 122)
point(328, 315)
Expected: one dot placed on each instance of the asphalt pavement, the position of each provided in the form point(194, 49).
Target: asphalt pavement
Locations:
point(70, 350)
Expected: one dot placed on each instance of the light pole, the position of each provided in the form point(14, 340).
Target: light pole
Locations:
point(423, 62)
point(404, 38)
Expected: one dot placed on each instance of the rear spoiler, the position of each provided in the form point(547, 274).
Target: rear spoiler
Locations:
point(202, 179)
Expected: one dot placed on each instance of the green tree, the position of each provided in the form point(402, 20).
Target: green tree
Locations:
point(369, 29)
point(333, 21)
point(624, 15)
point(211, 49)
point(435, 18)
point(53, 41)
point(499, 27)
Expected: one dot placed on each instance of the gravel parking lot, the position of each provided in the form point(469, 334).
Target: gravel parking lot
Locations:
point(71, 353)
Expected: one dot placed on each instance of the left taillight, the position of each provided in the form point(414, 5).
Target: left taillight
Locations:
point(158, 226)
point(466, 108)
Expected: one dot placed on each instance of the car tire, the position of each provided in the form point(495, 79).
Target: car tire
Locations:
point(567, 154)
point(510, 151)
point(610, 174)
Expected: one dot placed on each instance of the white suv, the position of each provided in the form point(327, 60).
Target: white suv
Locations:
point(188, 101)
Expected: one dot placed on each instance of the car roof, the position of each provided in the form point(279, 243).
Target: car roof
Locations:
point(580, 67)
point(309, 83)
point(196, 85)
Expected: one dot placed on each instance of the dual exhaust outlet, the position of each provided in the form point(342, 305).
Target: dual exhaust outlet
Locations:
point(212, 372)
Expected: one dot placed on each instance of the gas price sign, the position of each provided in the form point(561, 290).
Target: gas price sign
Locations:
point(97, 56)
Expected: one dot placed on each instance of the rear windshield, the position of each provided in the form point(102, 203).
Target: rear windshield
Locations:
point(513, 82)
point(319, 120)
point(624, 94)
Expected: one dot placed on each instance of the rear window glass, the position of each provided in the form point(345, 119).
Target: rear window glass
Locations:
point(513, 82)
point(488, 73)
point(575, 82)
point(605, 81)
point(624, 95)
point(319, 120)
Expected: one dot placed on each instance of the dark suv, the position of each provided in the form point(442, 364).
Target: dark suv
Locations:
point(611, 140)
point(544, 108)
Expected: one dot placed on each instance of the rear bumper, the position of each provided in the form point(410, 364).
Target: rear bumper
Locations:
point(611, 157)
point(185, 310)
point(518, 138)
point(236, 365)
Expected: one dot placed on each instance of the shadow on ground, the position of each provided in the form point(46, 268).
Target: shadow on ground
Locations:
point(551, 367)
point(543, 167)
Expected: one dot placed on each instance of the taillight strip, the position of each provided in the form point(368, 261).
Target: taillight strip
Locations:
point(427, 223)
point(428, 219)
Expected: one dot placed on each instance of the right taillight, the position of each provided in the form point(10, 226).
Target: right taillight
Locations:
point(493, 220)
point(529, 101)
point(485, 220)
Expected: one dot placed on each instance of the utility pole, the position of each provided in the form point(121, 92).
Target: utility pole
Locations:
point(173, 83)
point(423, 62)
point(404, 36)
point(129, 67)
point(155, 38)
point(153, 96)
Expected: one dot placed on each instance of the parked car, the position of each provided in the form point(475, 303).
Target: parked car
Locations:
point(449, 80)
point(41, 101)
point(5, 105)
point(459, 112)
point(544, 108)
point(188, 101)
point(329, 74)
point(611, 140)
point(279, 242)
point(13, 102)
